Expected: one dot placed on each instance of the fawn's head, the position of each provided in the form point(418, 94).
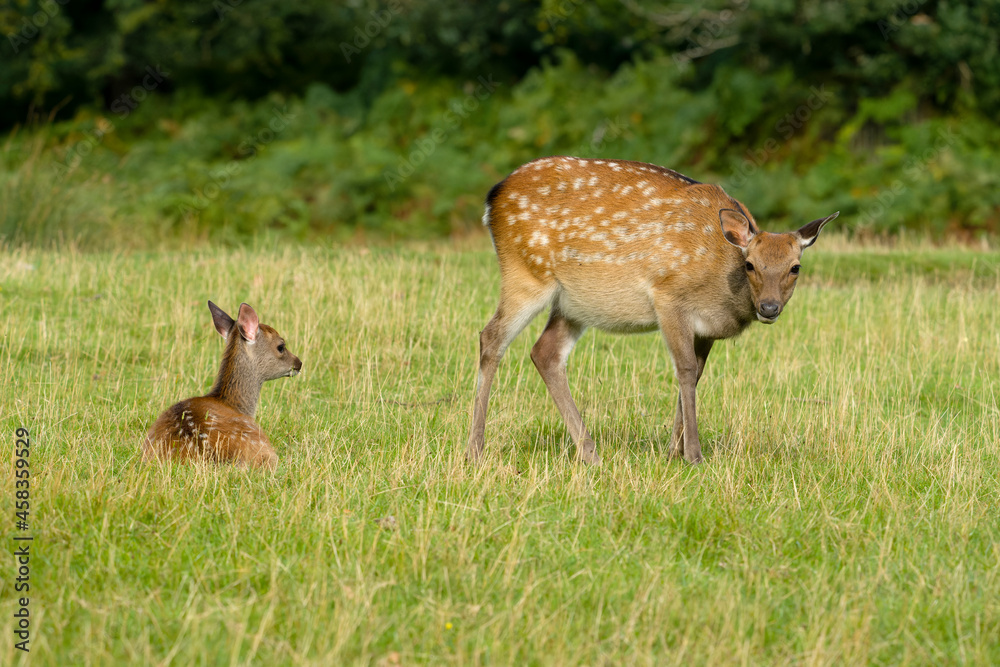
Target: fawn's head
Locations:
point(259, 344)
point(771, 260)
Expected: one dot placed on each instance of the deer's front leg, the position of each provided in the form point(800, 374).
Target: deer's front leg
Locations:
point(702, 346)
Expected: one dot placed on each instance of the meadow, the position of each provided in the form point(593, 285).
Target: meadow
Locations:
point(846, 512)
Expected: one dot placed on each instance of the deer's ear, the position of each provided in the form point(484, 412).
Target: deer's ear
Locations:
point(809, 232)
point(223, 323)
point(248, 323)
point(736, 227)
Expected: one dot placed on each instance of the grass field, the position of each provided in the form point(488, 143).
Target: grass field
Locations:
point(847, 511)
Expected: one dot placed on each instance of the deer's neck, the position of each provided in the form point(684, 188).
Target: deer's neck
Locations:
point(238, 384)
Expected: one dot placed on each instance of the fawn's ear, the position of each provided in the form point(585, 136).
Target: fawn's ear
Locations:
point(248, 323)
point(223, 323)
point(808, 232)
point(737, 228)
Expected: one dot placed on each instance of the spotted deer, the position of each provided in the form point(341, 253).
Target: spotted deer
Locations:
point(627, 247)
point(220, 426)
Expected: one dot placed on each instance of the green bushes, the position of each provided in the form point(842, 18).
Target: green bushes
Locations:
point(794, 111)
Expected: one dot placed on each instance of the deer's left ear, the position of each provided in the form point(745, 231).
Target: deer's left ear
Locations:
point(248, 323)
point(808, 234)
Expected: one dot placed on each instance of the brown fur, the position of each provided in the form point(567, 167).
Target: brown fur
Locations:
point(220, 426)
point(626, 247)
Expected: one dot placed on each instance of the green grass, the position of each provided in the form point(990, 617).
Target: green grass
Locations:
point(847, 512)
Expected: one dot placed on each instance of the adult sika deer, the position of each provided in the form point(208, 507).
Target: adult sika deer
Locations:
point(220, 426)
point(627, 247)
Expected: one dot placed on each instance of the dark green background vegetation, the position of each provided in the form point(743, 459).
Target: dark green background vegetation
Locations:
point(139, 123)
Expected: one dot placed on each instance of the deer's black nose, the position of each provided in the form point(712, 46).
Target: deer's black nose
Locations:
point(770, 309)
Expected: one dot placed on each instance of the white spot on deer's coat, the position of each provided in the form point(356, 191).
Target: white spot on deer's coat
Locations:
point(593, 181)
point(522, 202)
point(577, 183)
point(538, 238)
point(599, 210)
point(708, 229)
point(544, 190)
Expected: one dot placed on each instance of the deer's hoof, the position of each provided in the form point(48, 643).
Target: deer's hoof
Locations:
point(473, 456)
point(587, 453)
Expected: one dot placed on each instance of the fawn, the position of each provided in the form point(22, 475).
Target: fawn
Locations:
point(220, 425)
point(627, 247)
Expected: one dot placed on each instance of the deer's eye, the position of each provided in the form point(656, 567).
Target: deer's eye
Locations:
point(281, 348)
point(795, 269)
point(749, 266)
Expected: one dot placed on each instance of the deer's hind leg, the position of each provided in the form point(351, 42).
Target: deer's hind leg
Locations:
point(520, 302)
point(549, 356)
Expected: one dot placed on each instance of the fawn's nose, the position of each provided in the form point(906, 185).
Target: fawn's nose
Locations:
point(297, 365)
point(769, 309)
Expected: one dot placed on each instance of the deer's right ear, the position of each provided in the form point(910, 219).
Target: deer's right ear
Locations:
point(248, 323)
point(223, 323)
point(737, 228)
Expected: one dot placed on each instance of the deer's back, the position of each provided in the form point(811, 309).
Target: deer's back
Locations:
point(208, 429)
point(618, 237)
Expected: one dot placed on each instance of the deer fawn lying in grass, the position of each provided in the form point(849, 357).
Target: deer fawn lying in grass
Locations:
point(220, 426)
point(627, 247)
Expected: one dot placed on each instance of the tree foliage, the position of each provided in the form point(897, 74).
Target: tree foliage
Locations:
point(881, 108)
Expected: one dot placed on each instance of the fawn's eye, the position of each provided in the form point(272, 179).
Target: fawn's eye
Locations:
point(749, 266)
point(795, 269)
point(281, 348)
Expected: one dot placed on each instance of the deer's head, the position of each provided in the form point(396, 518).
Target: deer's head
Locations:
point(771, 260)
